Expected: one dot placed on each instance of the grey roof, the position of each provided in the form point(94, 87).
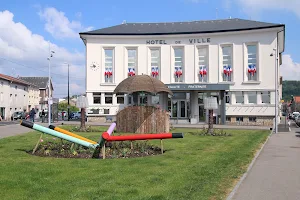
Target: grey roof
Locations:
point(40, 82)
point(208, 26)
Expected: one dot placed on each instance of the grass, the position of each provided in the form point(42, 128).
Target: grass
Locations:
point(195, 167)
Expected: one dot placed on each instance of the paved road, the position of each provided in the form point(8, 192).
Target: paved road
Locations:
point(275, 174)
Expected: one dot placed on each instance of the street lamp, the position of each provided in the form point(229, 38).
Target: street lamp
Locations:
point(68, 91)
point(49, 86)
point(276, 87)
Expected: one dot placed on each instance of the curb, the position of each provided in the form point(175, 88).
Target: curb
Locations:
point(232, 193)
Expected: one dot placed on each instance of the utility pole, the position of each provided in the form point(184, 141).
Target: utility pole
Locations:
point(49, 86)
point(68, 92)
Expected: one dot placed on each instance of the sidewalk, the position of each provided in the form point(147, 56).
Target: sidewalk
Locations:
point(12, 130)
point(275, 174)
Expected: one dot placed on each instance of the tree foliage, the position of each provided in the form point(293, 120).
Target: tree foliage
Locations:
point(64, 107)
point(290, 88)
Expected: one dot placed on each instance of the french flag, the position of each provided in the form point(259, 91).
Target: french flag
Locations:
point(204, 71)
point(229, 70)
point(131, 71)
point(201, 71)
point(250, 70)
point(109, 72)
point(254, 69)
point(225, 70)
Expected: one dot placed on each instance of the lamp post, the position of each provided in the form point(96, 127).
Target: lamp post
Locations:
point(276, 88)
point(68, 91)
point(49, 85)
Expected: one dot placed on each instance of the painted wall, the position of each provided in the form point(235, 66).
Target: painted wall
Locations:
point(264, 39)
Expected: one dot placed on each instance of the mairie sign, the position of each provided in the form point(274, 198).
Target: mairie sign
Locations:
point(216, 87)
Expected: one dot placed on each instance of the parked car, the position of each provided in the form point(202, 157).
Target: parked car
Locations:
point(18, 115)
point(77, 115)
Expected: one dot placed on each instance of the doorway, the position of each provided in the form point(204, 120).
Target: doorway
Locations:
point(179, 109)
point(2, 113)
point(202, 113)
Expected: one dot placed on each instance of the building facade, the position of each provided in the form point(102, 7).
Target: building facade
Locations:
point(233, 60)
point(42, 84)
point(13, 96)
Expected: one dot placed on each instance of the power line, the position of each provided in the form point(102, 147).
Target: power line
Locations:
point(39, 69)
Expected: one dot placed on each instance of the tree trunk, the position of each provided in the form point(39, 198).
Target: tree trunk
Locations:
point(82, 124)
point(210, 122)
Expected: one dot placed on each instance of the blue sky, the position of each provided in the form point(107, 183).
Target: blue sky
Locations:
point(35, 22)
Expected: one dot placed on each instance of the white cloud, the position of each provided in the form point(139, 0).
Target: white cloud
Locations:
point(19, 45)
point(59, 26)
point(255, 7)
point(289, 69)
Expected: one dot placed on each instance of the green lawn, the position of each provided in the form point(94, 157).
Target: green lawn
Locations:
point(195, 167)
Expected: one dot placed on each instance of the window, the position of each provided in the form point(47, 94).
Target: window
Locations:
point(239, 97)
point(120, 99)
point(132, 61)
point(155, 99)
point(94, 111)
point(228, 119)
point(265, 97)
point(201, 97)
point(252, 63)
point(106, 111)
point(16, 87)
point(109, 63)
point(97, 97)
point(239, 119)
point(227, 97)
point(202, 64)
point(129, 99)
point(155, 63)
point(227, 63)
point(108, 98)
point(143, 99)
point(178, 74)
point(252, 97)
point(252, 119)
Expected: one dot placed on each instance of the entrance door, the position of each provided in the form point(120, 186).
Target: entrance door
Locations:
point(2, 112)
point(202, 113)
point(179, 108)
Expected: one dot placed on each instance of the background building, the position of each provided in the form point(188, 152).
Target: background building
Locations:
point(42, 84)
point(229, 59)
point(13, 96)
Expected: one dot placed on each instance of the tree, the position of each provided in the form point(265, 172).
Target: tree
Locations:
point(64, 107)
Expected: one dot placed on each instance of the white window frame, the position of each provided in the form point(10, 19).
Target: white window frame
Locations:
point(181, 78)
point(120, 95)
point(262, 94)
point(134, 62)
point(97, 95)
point(226, 78)
point(243, 95)
point(155, 64)
point(108, 94)
point(249, 92)
point(202, 62)
point(249, 76)
point(112, 78)
point(227, 96)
